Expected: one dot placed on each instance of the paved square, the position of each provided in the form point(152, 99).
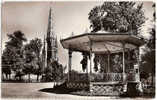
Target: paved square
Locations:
point(31, 90)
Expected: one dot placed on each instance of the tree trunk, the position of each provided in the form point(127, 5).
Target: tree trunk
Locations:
point(54, 84)
point(152, 79)
point(9, 76)
point(3, 76)
point(20, 78)
point(6, 75)
point(152, 75)
point(29, 77)
point(37, 77)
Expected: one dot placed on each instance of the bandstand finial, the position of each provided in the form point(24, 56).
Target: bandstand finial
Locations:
point(72, 34)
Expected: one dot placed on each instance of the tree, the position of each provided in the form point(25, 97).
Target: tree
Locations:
point(36, 45)
point(54, 71)
point(57, 71)
point(48, 74)
point(29, 57)
point(16, 39)
point(6, 68)
point(32, 56)
point(13, 54)
point(148, 58)
point(117, 16)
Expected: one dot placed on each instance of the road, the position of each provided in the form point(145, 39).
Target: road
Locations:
point(31, 90)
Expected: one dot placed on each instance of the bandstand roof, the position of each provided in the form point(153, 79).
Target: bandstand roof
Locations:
point(101, 42)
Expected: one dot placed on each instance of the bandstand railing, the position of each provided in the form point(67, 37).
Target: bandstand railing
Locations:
point(96, 77)
point(106, 77)
point(79, 77)
point(101, 77)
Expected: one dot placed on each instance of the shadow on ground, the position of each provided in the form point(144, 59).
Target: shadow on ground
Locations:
point(58, 89)
point(61, 89)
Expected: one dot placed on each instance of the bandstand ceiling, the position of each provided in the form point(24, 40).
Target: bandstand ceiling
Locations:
point(101, 43)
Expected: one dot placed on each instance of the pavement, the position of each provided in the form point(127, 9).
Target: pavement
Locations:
point(31, 91)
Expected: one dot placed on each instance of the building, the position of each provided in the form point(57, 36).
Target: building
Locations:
point(50, 48)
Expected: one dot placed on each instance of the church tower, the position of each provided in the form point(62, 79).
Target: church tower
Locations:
point(44, 64)
point(51, 41)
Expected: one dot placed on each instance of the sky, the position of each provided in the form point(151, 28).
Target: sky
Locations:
point(32, 19)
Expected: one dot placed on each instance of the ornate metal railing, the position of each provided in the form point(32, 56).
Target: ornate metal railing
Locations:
point(96, 77)
point(79, 77)
point(102, 77)
point(106, 77)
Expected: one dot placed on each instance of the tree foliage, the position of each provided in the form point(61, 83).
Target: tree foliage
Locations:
point(32, 56)
point(16, 39)
point(148, 59)
point(12, 57)
point(26, 59)
point(54, 71)
point(6, 61)
point(117, 16)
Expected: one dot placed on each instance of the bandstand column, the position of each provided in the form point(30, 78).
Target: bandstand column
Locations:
point(138, 64)
point(70, 63)
point(123, 45)
point(90, 57)
point(137, 70)
point(108, 62)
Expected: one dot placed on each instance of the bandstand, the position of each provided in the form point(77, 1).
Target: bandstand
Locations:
point(104, 45)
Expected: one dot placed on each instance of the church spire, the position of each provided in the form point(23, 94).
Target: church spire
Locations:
point(49, 37)
point(49, 29)
point(51, 40)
